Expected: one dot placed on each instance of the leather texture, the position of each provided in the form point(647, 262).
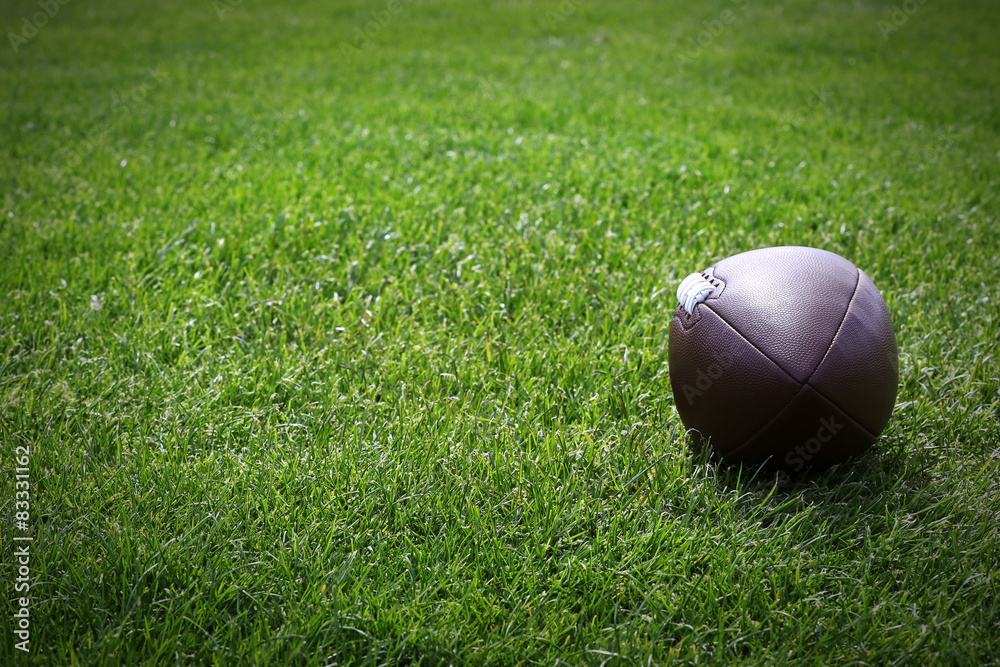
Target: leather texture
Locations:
point(710, 382)
point(860, 372)
point(788, 302)
point(791, 361)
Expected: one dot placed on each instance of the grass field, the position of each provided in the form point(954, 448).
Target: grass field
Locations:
point(335, 333)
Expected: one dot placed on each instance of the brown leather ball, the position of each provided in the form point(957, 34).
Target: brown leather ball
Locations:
point(783, 356)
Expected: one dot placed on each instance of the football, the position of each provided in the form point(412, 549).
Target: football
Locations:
point(784, 357)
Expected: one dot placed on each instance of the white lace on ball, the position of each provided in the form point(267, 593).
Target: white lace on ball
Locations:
point(693, 290)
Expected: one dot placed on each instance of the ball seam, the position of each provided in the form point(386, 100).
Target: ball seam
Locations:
point(781, 413)
point(843, 319)
point(805, 383)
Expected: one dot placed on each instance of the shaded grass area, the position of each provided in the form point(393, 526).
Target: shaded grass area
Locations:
point(328, 360)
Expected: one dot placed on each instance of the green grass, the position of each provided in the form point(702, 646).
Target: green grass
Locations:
point(363, 361)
